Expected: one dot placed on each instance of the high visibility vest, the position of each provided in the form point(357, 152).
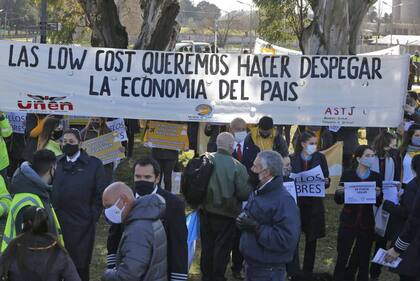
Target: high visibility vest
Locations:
point(415, 59)
point(21, 200)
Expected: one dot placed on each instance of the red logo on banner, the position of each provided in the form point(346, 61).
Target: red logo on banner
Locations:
point(45, 103)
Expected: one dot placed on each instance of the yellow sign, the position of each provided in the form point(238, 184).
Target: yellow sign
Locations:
point(107, 148)
point(334, 156)
point(166, 135)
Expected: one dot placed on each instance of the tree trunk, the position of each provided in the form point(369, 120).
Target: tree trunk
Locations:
point(335, 28)
point(104, 21)
point(160, 29)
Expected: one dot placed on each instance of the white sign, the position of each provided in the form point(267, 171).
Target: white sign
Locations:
point(118, 126)
point(367, 91)
point(360, 192)
point(310, 183)
point(18, 121)
point(390, 191)
point(380, 259)
point(291, 188)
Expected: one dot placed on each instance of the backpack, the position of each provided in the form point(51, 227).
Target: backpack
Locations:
point(195, 180)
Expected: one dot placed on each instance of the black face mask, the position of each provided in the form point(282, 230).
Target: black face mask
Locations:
point(144, 187)
point(254, 179)
point(70, 149)
point(265, 135)
point(56, 135)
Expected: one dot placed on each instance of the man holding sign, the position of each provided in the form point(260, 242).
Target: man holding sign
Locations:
point(361, 191)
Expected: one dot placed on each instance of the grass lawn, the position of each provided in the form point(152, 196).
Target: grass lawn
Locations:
point(326, 253)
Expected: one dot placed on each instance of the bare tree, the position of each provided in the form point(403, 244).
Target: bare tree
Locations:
point(159, 28)
point(335, 27)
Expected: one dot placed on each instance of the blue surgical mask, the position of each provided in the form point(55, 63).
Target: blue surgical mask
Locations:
point(415, 141)
point(367, 161)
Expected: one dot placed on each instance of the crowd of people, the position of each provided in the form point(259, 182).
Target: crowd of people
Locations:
point(53, 193)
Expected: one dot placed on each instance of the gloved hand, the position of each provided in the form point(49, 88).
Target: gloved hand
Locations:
point(246, 223)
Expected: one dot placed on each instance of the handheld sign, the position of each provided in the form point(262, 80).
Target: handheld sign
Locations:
point(360, 193)
point(17, 121)
point(291, 188)
point(310, 183)
point(107, 148)
point(390, 191)
point(118, 126)
point(380, 259)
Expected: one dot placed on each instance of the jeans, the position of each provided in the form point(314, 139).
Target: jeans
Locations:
point(254, 273)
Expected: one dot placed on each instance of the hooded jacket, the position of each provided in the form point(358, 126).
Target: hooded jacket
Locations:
point(26, 180)
point(141, 255)
point(5, 132)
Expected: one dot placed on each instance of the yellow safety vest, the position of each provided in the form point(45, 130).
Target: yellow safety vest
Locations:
point(415, 59)
point(21, 200)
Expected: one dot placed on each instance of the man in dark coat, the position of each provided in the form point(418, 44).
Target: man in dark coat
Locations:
point(77, 198)
point(270, 222)
point(146, 178)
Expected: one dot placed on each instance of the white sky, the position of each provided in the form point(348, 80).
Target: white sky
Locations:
point(231, 5)
point(228, 5)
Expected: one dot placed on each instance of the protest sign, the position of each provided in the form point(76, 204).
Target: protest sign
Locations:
point(166, 135)
point(17, 121)
point(291, 188)
point(390, 191)
point(118, 126)
point(107, 148)
point(334, 156)
point(380, 259)
point(310, 183)
point(359, 193)
point(367, 91)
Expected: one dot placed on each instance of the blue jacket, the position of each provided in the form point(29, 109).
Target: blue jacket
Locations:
point(276, 239)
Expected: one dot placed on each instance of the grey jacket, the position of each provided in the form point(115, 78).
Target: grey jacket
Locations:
point(141, 254)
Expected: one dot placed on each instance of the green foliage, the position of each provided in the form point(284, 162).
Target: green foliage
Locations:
point(282, 21)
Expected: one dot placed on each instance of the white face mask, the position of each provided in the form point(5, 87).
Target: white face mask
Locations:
point(240, 136)
point(368, 162)
point(310, 149)
point(114, 214)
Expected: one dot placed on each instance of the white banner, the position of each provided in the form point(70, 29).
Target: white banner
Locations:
point(305, 90)
point(360, 193)
point(310, 183)
point(18, 121)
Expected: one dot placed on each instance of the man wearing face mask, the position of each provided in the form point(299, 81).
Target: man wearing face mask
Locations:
point(238, 130)
point(146, 179)
point(262, 138)
point(228, 187)
point(31, 186)
point(141, 253)
point(269, 223)
point(77, 197)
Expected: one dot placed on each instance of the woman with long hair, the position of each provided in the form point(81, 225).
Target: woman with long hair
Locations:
point(51, 133)
point(312, 211)
point(96, 127)
point(388, 165)
point(357, 223)
point(409, 148)
point(35, 255)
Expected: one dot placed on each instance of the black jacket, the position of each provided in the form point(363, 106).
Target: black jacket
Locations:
point(408, 242)
point(176, 233)
point(357, 216)
point(251, 150)
point(46, 261)
point(399, 213)
point(312, 211)
point(350, 137)
point(77, 199)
